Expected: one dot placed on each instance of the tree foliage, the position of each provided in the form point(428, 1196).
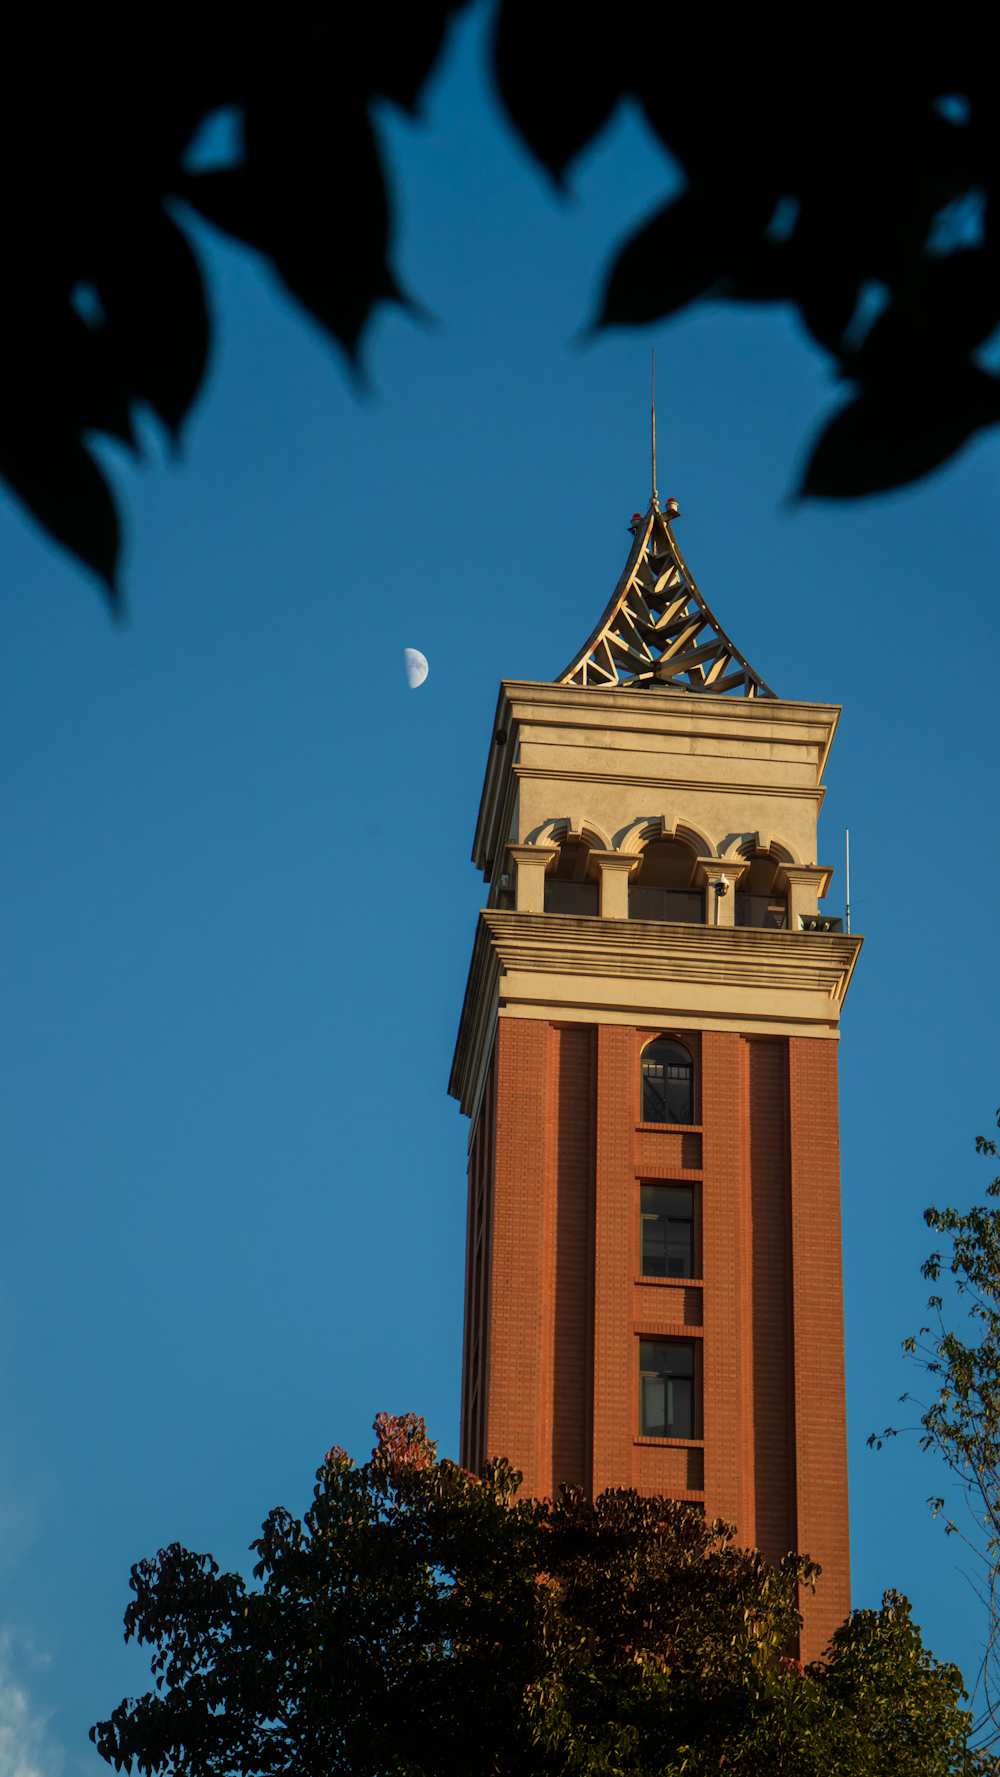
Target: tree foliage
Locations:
point(855, 180)
point(961, 1422)
point(424, 1622)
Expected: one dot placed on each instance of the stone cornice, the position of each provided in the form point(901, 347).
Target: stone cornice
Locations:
point(477, 1024)
point(637, 949)
point(635, 780)
point(718, 960)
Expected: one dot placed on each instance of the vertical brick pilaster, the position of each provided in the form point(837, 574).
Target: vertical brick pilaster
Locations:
point(746, 1308)
point(616, 1379)
point(721, 1098)
point(570, 1253)
point(818, 1311)
point(520, 1339)
point(478, 1278)
point(770, 1355)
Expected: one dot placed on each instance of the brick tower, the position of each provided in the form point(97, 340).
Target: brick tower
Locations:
point(648, 1056)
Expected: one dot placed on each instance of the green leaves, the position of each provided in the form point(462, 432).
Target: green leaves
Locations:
point(961, 1421)
point(418, 1620)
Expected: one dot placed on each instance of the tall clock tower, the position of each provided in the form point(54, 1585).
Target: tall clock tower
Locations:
point(648, 1057)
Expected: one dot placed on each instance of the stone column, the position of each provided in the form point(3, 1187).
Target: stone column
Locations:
point(531, 861)
point(807, 885)
point(721, 908)
point(616, 867)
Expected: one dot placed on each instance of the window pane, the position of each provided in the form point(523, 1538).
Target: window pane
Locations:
point(654, 1092)
point(667, 1084)
point(570, 897)
point(680, 1409)
point(769, 912)
point(666, 1381)
point(687, 907)
point(654, 1407)
point(645, 903)
point(667, 1231)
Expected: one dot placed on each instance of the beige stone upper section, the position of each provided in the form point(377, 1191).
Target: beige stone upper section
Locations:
point(729, 774)
point(732, 777)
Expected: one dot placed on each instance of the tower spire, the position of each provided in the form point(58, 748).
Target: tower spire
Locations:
point(658, 628)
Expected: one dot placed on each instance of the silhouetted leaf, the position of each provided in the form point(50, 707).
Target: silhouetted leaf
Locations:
point(152, 294)
point(398, 43)
point(61, 485)
point(954, 301)
point(311, 197)
point(99, 104)
point(560, 74)
point(684, 251)
point(889, 437)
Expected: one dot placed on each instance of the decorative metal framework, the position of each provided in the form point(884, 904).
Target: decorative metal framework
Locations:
point(658, 629)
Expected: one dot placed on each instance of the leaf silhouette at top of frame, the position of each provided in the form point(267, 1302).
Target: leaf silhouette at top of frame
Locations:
point(152, 295)
point(888, 437)
point(96, 111)
point(57, 479)
point(98, 105)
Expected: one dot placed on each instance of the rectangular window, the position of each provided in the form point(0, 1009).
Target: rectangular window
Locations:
point(667, 1213)
point(666, 1388)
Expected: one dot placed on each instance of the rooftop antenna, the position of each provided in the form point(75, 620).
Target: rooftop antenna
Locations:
point(847, 847)
point(656, 497)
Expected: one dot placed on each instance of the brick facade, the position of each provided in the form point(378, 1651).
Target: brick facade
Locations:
point(556, 1302)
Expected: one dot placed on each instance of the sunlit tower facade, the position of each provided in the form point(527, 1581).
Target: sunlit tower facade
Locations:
point(648, 1057)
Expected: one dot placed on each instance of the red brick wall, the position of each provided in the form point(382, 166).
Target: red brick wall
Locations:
point(529, 1328)
point(724, 1310)
point(569, 1185)
point(616, 1382)
point(770, 1233)
point(478, 1253)
point(553, 1309)
point(818, 1309)
point(517, 1379)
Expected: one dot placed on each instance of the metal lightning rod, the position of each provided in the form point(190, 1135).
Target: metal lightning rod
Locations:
point(656, 497)
point(847, 848)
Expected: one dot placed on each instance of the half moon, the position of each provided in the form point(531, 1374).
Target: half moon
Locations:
point(416, 667)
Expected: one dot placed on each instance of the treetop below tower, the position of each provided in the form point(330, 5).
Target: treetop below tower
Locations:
point(658, 629)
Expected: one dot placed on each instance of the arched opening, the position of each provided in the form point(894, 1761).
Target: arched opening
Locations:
point(762, 897)
point(669, 885)
point(566, 887)
point(667, 1082)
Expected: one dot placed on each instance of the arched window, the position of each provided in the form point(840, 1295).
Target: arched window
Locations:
point(667, 1083)
point(762, 897)
point(669, 884)
point(566, 887)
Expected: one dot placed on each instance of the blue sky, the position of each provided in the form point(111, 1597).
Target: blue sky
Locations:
point(236, 906)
